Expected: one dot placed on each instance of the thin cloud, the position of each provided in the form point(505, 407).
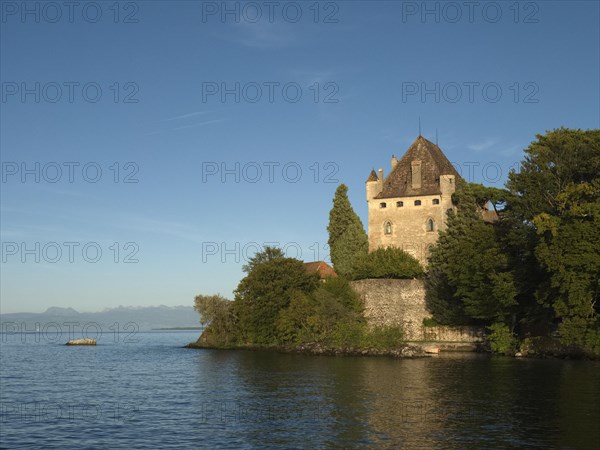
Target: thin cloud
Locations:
point(188, 115)
point(199, 124)
point(180, 230)
point(482, 146)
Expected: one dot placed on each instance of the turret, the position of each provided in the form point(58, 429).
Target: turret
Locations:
point(447, 184)
point(372, 185)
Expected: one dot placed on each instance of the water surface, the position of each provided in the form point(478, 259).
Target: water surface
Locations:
point(154, 394)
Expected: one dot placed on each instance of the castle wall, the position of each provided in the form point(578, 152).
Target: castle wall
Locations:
point(402, 303)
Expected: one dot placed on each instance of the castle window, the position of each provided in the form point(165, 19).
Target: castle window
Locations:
point(399, 204)
point(430, 225)
point(387, 228)
point(382, 205)
point(417, 202)
point(436, 201)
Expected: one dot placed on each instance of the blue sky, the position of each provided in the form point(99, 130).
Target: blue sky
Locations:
point(216, 132)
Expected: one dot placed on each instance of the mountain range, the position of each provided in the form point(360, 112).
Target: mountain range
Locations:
point(145, 317)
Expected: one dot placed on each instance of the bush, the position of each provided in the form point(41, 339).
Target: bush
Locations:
point(383, 338)
point(430, 322)
point(348, 335)
point(391, 262)
point(502, 339)
point(581, 332)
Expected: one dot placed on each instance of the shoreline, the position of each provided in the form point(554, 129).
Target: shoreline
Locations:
point(409, 350)
point(405, 351)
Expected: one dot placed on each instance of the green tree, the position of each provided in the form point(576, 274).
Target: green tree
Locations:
point(297, 323)
point(347, 237)
point(557, 194)
point(267, 254)
point(390, 262)
point(351, 245)
point(217, 314)
point(315, 317)
point(264, 292)
point(556, 160)
point(569, 248)
point(469, 277)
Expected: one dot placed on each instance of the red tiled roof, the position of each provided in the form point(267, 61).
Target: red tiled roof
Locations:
point(321, 267)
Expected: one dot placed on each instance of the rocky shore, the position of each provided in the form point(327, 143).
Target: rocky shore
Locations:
point(403, 351)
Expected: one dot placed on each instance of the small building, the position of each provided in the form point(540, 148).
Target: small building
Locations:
point(320, 267)
point(410, 206)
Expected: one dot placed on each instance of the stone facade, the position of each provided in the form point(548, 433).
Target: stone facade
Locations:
point(402, 303)
point(409, 207)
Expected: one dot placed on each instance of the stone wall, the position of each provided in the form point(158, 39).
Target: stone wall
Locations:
point(402, 302)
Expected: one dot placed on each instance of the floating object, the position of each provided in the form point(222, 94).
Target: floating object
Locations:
point(431, 349)
point(81, 342)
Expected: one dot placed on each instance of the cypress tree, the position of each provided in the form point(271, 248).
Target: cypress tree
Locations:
point(347, 238)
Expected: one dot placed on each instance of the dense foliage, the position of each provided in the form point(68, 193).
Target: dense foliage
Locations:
point(347, 237)
point(216, 311)
point(279, 304)
point(391, 262)
point(267, 289)
point(538, 267)
point(470, 278)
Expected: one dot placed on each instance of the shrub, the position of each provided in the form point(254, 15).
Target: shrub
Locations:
point(391, 262)
point(430, 322)
point(383, 337)
point(347, 335)
point(502, 339)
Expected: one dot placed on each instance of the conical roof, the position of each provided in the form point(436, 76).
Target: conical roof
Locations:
point(373, 176)
point(433, 164)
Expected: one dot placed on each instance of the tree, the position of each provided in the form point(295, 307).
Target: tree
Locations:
point(470, 278)
point(347, 237)
point(557, 159)
point(557, 194)
point(216, 313)
point(296, 323)
point(315, 317)
point(264, 292)
point(569, 248)
point(351, 245)
point(391, 262)
point(268, 254)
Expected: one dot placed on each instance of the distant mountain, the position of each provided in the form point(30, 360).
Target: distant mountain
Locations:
point(146, 318)
point(57, 311)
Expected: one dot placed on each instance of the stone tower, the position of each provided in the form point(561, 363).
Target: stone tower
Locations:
point(409, 206)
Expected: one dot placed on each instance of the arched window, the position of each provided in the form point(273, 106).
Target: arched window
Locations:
point(387, 227)
point(436, 201)
point(417, 202)
point(430, 225)
point(399, 204)
point(382, 205)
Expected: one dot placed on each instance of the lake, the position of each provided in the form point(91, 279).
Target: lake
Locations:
point(153, 393)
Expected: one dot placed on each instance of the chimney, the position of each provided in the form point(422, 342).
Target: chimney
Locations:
point(394, 162)
point(416, 174)
point(380, 180)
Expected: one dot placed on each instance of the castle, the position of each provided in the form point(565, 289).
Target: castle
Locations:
point(408, 207)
